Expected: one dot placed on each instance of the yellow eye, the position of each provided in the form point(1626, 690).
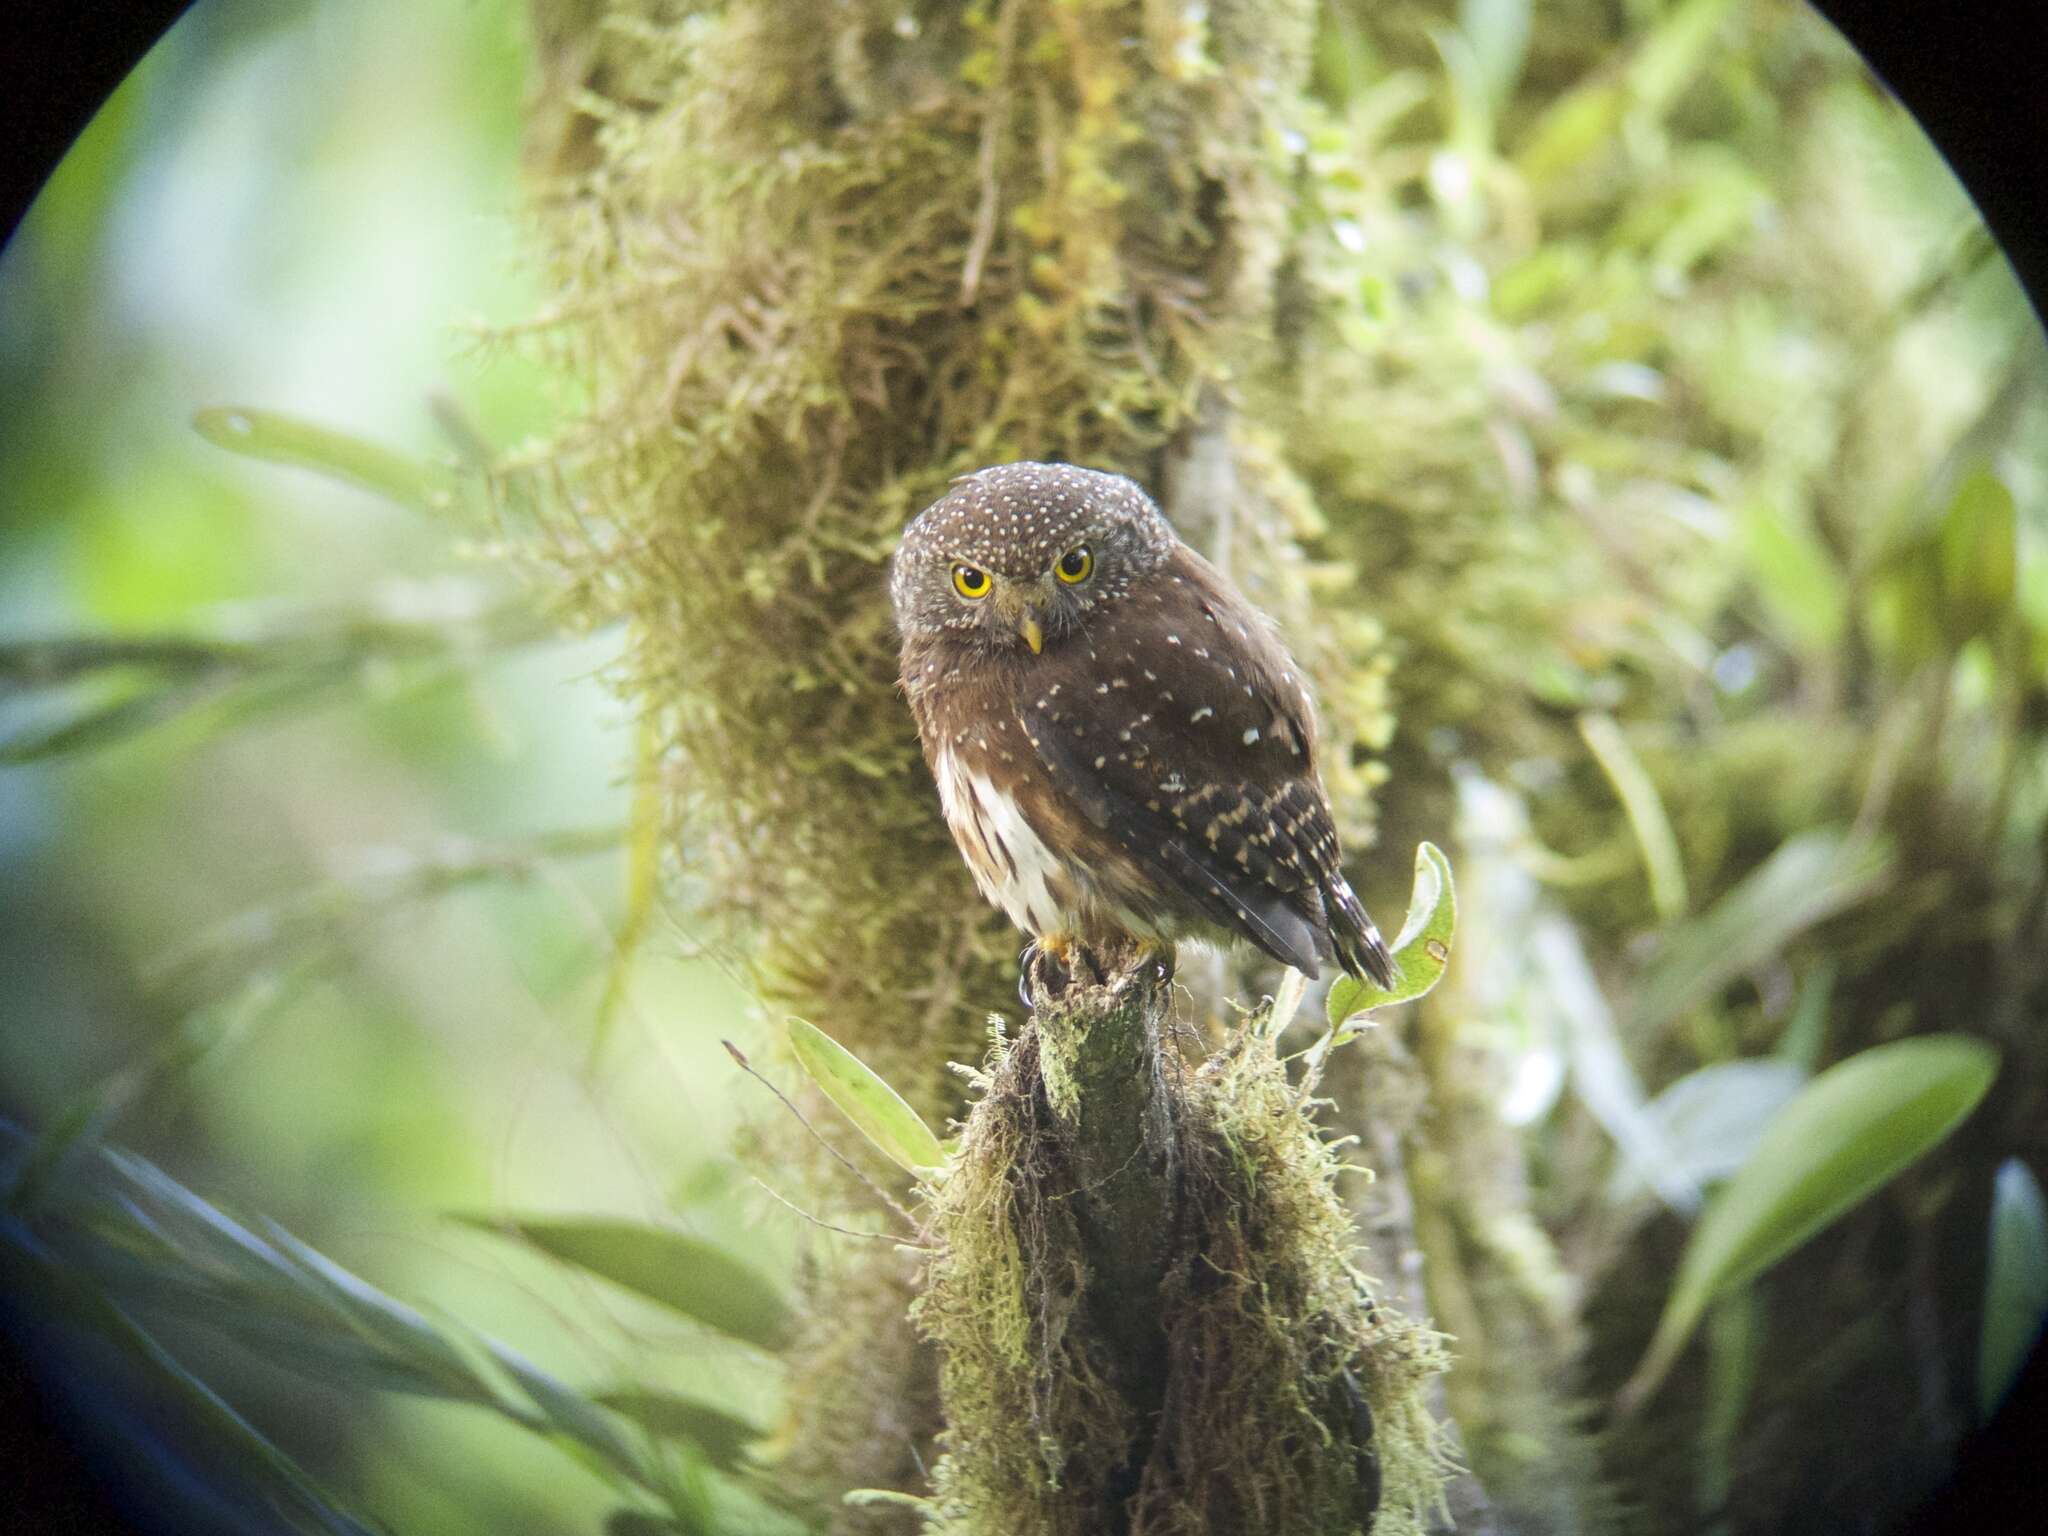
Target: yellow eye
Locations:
point(1075, 565)
point(970, 583)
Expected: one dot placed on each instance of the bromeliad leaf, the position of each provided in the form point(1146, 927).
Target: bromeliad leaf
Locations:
point(1847, 1134)
point(681, 1272)
point(877, 1111)
point(1421, 953)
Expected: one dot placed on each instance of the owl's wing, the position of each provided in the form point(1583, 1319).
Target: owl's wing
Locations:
point(1178, 727)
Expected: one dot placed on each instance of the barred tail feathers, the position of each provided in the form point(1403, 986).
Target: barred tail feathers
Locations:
point(1360, 949)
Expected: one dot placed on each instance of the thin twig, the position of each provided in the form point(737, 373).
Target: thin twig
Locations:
point(845, 1162)
point(818, 1221)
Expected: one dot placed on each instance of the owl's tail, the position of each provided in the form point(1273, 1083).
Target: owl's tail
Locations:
point(1360, 949)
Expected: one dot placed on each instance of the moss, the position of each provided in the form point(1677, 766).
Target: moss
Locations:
point(1266, 1388)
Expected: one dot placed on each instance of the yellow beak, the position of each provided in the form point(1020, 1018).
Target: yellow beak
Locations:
point(1033, 635)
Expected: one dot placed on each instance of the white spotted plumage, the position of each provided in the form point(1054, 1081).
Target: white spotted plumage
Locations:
point(1172, 808)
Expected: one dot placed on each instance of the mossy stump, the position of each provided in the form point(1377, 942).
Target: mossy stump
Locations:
point(1144, 1296)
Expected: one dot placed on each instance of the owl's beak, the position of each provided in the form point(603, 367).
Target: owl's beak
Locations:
point(1019, 604)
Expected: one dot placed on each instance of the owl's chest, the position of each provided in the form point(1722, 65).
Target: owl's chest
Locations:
point(1017, 838)
point(1013, 860)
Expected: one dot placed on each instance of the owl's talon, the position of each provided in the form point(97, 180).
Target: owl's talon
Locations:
point(1026, 958)
point(1047, 963)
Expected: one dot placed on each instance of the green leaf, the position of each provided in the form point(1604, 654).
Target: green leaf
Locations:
point(1810, 877)
point(1848, 1133)
point(31, 1272)
point(1709, 1121)
point(287, 440)
point(1979, 558)
point(1645, 808)
point(1421, 953)
point(876, 1110)
point(679, 1271)
point(723, 1437)
point(2015, 1283)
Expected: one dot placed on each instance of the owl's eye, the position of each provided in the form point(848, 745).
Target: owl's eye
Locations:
point(1075, 565)
point(970, 583)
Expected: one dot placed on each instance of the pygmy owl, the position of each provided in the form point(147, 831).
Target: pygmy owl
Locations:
point(1121, 743)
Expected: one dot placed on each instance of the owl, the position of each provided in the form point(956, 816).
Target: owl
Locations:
point(1122, 745)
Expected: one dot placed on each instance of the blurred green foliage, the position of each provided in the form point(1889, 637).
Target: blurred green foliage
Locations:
point(1660, 399)
point(327, 939)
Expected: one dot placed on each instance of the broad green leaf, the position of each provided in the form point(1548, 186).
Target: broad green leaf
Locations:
point(877, 1111)
point(1645, 808)
point(1810, 877)
point(1848, 1133)
point(287, 440)
point(1421, 952)
point(679, 1271)
point(1709, 1121)
point(2015, 1283)
point(1979, 558)
point(1571, 129)
point(723, 1437)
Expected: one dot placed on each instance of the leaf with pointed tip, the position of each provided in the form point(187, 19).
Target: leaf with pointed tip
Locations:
point(877, 1111)
point(1845, 1135)
point(681, 1272)
point(1421, 953)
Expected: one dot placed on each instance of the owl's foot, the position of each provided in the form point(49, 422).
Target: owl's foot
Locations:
point(1026, 958)
point(1052, 963)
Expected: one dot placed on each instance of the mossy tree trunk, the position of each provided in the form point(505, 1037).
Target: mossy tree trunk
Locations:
point(816, 261)
point(1145, 1300)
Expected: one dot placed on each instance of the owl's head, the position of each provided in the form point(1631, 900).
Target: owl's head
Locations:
point(1016, 557)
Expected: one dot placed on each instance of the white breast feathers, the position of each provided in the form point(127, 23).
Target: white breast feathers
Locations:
point(1011, 863)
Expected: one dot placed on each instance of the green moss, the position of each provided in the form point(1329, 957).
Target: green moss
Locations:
point(1264, 1388)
